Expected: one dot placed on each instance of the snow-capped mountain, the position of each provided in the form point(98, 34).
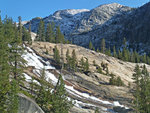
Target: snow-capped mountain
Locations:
point(76, 21)
point(110, 21)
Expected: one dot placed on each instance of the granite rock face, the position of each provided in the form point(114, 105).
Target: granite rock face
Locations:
point(27, 105)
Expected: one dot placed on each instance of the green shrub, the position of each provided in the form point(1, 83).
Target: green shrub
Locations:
point(115, 81)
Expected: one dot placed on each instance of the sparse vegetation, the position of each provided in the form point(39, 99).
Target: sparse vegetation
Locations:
point(99, 69)
point(56, 55)
point(104, 65)
point(84, 64)
point(115, 81)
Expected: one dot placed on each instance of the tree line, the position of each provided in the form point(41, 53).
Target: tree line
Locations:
point(124, 54)
point(72, 63)
point(50, 99)
point(11, 64)
point(50, 33)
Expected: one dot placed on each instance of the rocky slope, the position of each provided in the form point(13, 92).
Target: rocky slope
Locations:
point(89, 90)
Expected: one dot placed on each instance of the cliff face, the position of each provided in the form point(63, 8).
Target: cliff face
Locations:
point(27, 105)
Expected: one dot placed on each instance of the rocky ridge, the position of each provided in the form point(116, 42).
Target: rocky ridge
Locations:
point(110, 21)
point(77, 23)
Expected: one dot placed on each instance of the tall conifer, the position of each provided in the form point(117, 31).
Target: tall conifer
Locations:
point(50, 33)
point(41, 31)
point(4, 70)
point(103, 45)
point(60, 102)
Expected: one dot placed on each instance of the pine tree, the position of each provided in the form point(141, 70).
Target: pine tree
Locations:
point(132, 57)
point(119, 82)
point(43, 95)
point(82, 63)
point(115, 81)
point(50, 33)
point(29, 33)
point(119, 54)
point(10, 45)
point(144, 58)
point(41, 31)
point(60, 103)
point(97, 50)
point(4, 70)
point(26, 35)
point(59, 36)
point(90, 45)
point(20, 28)
point(114, 52)
point(124, 54)
point(86, 65)
point(108, 52)
point(74, 60)
point(93, 48)
point(137, 58)
point(68, 59)
point(32, 86)
point(128, 55)
point(16, 61)
point(56, 55)
point(142, 90)
point(145, 91)
point(103, 45)
point(111, 80)
point(13, 97)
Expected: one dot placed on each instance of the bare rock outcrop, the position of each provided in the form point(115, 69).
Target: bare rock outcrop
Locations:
point(27, 105)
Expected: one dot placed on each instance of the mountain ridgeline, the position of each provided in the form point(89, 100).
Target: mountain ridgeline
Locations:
point(113, 22)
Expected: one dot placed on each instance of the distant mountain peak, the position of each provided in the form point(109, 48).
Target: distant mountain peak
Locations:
point(75, 11)
point(110, 5)
point(68, 12)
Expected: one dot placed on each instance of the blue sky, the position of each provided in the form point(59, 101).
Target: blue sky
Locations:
point(29, 9)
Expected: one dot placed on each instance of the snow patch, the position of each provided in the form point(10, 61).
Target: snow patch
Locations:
point(85, 95)
point(27, 77)
point(116, 103)
point(52, 77)
point(34, 60)
point(76, 11)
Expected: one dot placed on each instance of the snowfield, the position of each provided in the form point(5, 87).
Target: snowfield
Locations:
point(36, 61)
